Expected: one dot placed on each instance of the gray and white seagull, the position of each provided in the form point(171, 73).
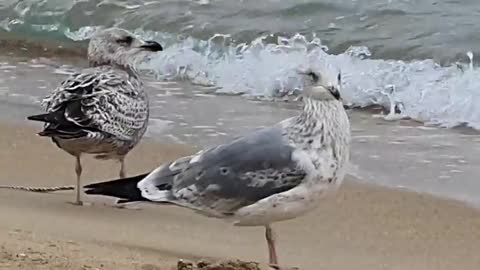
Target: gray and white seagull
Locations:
point(103, 109)
point(273, 174)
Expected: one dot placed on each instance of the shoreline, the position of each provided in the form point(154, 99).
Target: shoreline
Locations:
point(363, 227)
point(174, 149)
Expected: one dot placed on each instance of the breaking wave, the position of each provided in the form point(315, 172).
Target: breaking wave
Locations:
point(246, 61)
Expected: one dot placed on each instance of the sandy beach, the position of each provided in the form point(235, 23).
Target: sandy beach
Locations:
point(363, 227)
point(411, 199)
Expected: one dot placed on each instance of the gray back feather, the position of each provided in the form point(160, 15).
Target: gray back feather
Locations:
point(240, 173)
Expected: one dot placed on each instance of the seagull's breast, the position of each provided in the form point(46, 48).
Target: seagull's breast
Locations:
point(320, 164)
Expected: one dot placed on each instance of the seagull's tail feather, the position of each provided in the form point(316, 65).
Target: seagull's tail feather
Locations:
point(125, 188)
point(53, 117)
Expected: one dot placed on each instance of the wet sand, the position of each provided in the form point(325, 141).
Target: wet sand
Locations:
point(363, 227)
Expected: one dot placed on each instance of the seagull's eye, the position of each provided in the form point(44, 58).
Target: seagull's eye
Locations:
point(126, 41)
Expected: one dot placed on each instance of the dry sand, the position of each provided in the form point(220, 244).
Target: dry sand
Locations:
point(364, 227)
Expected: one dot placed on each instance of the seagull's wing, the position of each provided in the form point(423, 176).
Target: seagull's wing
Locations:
point(100, 99)
point(230, 176)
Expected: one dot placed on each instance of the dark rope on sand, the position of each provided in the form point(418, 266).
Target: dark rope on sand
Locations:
point(38, 189)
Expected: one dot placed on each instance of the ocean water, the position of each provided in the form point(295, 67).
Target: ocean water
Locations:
point(229, 67)
point(408, 54)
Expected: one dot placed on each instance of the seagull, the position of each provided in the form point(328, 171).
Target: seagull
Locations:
point(103, 109)
point(270, 175)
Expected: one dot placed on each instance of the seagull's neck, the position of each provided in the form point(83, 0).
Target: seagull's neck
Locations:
point(317, 110)
point(322, 128)
point(127, 67)
point(320, 119)
point(130, 69)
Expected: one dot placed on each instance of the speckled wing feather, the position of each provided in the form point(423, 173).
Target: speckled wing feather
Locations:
point(225, 178)
point(103, 99)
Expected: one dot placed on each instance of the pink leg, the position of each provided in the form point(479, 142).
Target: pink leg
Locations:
point(272, 253)
point(78, 171)
point(122, 167)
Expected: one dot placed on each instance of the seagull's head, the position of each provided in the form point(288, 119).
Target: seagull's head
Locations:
point(322, 86)
point(117, 46)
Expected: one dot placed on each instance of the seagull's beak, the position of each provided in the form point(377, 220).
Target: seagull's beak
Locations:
point(151, 45)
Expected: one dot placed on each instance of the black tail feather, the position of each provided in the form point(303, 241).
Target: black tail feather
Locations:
point(125, 189)
point(47, 117)
point(63, 132)
point(60, 126)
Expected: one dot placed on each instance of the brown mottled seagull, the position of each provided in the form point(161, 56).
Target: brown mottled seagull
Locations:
point(273, 174)
point(101, 110)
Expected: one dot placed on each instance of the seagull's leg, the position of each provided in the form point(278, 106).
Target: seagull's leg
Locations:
point(78, 171)
point(122, 167)
point(272, 253)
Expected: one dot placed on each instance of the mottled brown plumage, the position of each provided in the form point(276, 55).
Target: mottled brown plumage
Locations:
point(101, 110)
